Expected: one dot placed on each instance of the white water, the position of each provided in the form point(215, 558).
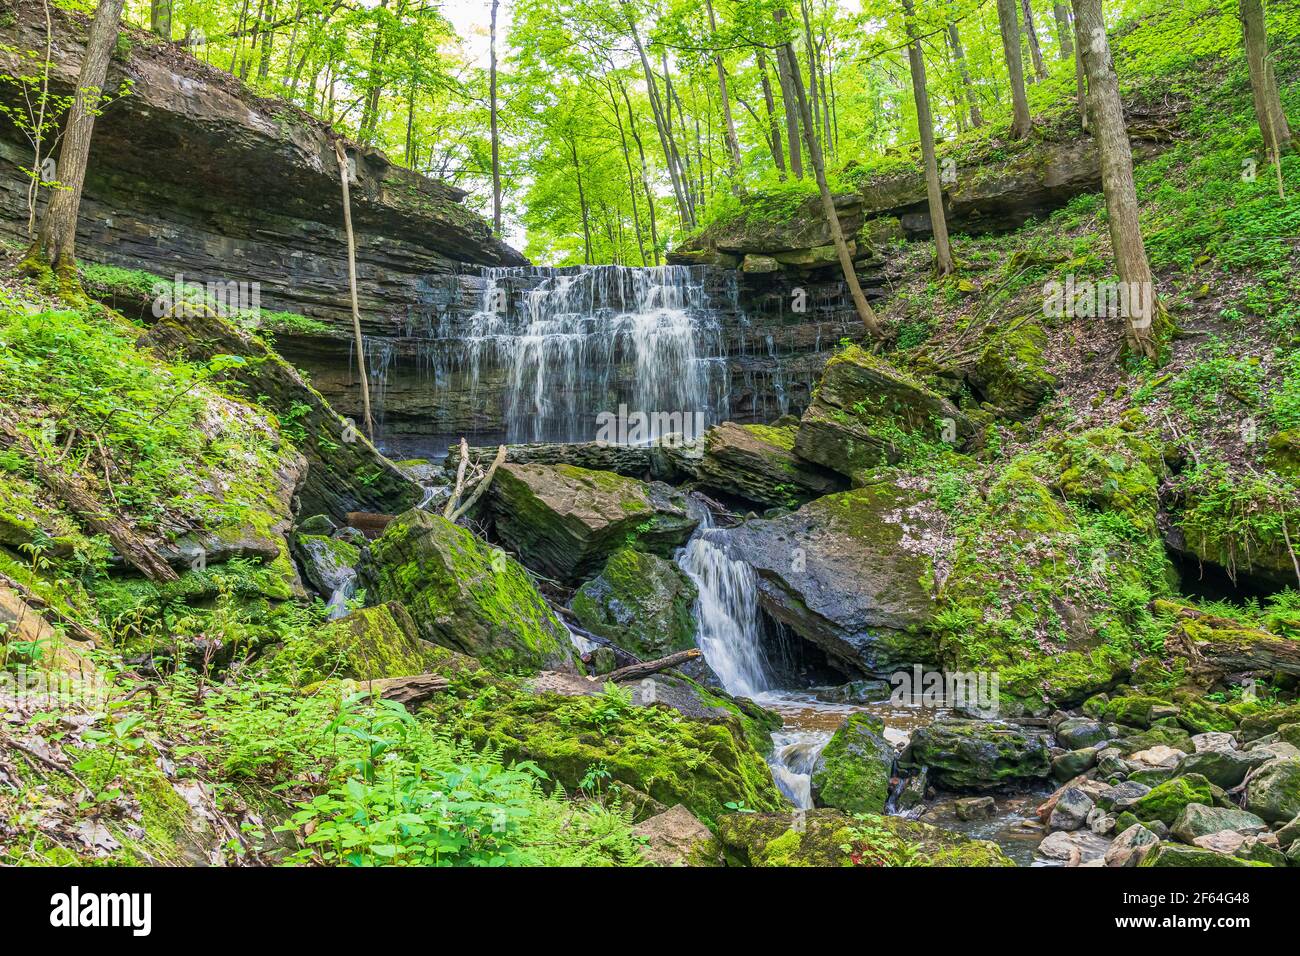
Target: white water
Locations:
point(563, 339)
point(726, 611)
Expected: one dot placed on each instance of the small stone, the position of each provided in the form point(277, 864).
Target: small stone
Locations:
point(1225, 841)
point(1078, 732)
point(1130, 846)
point(1289, 833)
point(1073, 849)
point(1122, 796)
point(1158, 757)
point(1214, 742)
point(975, 808)
point(1072, 763)
point(1100, 822)
point(1071, 810)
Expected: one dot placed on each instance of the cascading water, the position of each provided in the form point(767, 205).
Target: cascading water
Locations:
point(726, 611)
point(575, 344)
point(729, 636)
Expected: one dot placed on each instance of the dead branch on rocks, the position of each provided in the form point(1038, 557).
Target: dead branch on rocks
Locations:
point(647, 668)
point(480, 480)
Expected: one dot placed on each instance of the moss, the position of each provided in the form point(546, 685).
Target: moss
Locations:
point(368, 644)
point(1110, 469)
point(650, 757)
point(828, 838)
point(467, 596)
point(641, 602)
point(782, 437)
point(1011, 371)
point(854, 769)
point(1167, 801)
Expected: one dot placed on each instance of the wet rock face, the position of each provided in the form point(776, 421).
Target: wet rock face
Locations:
point(979, 755)
point(847, 573)
point(566, 521)
point(641, 602)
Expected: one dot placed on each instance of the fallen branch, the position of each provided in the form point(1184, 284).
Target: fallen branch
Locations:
point(129, 543)
point(75, 630)
point(408, 690)
point(459, 488)
point(649, 667)
point(482, 486)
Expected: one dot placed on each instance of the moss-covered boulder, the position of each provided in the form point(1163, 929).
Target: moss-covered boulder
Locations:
point(627, 743)
point(641, 602)
point(369, 644)
point(1177, 855)
point(851, 573)
point(978, 755)
point(329, 564)
point(863, 407)
point(852, 772)
point(831, 838)
point(566, 521)
point(1011, 375)
point(464, 595)
point(1198, 820)
point(1274, 791)
point(1167, 801)
point(1112, 469)
point(758, 463)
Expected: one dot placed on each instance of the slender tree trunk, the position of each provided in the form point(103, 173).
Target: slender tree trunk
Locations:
point(868, 316)
point(661, 125)
point(1010, 29)
point(627, 163)
point(813, 92)
point(56, 240)
point(645, 175)
point(1107, 114)
point(1064, 31)
point(496, 148)
point(374, 83)
point(925, 125)
point(1080, 80)
point(345, 175)
point(774, 128)
point(1031, 34)
point(582, 202)
point(733, 144)
point(959, 52)
point(160, 18)
point(791, 106)
point(1263, 83)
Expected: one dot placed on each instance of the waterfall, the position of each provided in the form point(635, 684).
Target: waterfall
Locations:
point(575, 344)
point(726, 611)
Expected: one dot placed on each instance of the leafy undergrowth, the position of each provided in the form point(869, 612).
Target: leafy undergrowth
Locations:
point(257, 772)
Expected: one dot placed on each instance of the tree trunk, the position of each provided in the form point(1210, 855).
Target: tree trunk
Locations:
point(627, 163)
point(496, 156)
point(1080, 80)
point(344, 176)
point(1107, 115)
point(774, 129)
point(645, 176)
point(1007, 24)
point(865, 312)
point(56, 240)
point(1064, 30)
point(959, 52)
point(1263, 84)
point(374, 83)
point(733, 144)
point(582, 202)
point(1031, 34)
point(791, 114)
point(160, 18)
point(925, 125)
point(657, 114)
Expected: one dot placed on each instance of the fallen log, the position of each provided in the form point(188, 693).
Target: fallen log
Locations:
point(134, 548)
point(407, 690)
point(1219, 645)
point(368, 522)
point(646, 668)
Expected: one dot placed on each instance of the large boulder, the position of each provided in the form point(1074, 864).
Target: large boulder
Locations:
point(851, 573)
point(863, 407)
point(1167, 801)
point(371, 643)
point(832, 838)
point(676, 838)
point(566, 521)
point(641, 602)
point(1177, 855)
point(853, 771)
point(1274, 790)
point(1198, 820)
point(1010, 375)
point(978, 755)
point(758, 463)
point(465, 595)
